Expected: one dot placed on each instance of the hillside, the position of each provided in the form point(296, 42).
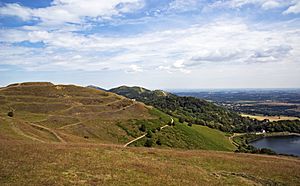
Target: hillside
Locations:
point(67, 113)
point(187, 109)
point(44, 112)
point(198, 111)
point(82, 164)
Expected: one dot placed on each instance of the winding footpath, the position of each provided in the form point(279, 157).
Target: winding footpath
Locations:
point(140, 137)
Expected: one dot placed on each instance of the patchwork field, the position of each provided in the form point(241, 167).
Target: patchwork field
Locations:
point(271, 118)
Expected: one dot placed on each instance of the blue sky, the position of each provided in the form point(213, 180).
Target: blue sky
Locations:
point(170, 44)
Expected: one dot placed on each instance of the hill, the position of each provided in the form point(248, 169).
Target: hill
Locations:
point(187, 109)
point(96, 87)
point(198, 111)
point(44, 112)
point(82, 164)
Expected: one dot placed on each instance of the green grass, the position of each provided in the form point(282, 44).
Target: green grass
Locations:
point(186, 137)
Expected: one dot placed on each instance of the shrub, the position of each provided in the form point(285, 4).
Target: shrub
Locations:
point(149, 143)
point(149, 134)
point(181, 120)
point(158, 142)
point(10, 114)
point(190, 124)
point(143, 128)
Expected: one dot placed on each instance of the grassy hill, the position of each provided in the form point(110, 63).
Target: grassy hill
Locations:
point(82, 164)
point(44, 112)
point(68, 113)
point(198, 111)
point(188, 109)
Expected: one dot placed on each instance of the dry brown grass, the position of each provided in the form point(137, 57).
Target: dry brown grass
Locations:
point(88, 164)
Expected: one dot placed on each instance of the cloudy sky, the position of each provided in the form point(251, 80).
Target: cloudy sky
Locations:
point(164, 44)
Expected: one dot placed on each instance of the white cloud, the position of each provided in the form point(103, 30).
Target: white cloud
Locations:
point(291, 6)
point(183, 5)
point(293, 9)
point(16, 10)
point(220, 42)
point(134, 68)
point(270, 5)
point(72, 11)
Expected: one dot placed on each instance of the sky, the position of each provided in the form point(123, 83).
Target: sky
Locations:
point(157, 44)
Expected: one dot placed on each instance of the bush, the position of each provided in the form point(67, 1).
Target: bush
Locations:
point(181, 120)
point(190, 124)
point(158, 142)
point(143, 128)
point(149, 143)
point(149, 134)
point(10, 114)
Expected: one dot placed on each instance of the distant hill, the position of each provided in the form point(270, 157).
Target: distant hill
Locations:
point(44, 112)
point(95, 87)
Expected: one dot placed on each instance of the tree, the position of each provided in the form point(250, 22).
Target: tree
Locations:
point(149, 143)
point(143, 128)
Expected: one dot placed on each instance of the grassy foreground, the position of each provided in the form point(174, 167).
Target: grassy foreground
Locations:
point(90, 164)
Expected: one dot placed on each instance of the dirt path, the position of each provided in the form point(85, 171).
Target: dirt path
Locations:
point(70, 125)
point(20, 132)
point(135, 140)
point(172, 121)
point(50, 131)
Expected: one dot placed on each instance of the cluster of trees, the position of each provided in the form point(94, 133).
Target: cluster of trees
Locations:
point(150, 141)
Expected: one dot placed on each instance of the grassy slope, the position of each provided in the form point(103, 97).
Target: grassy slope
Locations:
point(195, 137)
point(76, 114)
point(59, 164)
point(83, 115)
